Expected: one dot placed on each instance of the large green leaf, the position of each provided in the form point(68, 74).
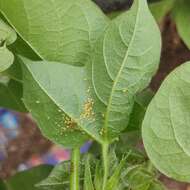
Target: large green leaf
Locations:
point(28, 179)
point(58, 96)
point(11, 94)
point(166, 129)
point(125, 59)
point(182, 16)
point(57, 30)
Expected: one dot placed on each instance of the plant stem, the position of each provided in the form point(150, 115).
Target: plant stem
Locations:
point(105, 148)
point(74, 170)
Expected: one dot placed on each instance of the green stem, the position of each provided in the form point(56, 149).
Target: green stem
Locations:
point(105, 148)
point(75, 166)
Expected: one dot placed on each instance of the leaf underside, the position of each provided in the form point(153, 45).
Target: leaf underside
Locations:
point(166, 125)
point(128, 54)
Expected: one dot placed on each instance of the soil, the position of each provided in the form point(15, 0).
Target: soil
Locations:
point(30, 141)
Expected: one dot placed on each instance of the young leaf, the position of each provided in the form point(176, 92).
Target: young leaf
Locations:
point(125, 59)
point(98, 178)
point(161, 8)
point(88, 184)
point(114, 180)
point(6, 58)
point(14, 72)
point(64, 110)
point(137, 178)
point(166, 125)
point(11, 94)
point(57, 30)
point(7, 34)
point(182, 16)
point(7, 37)
point(58, 178)
point(28, 178)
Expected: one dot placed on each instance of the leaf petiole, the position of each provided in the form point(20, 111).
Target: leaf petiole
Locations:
point(74, 169)
point(105, 149)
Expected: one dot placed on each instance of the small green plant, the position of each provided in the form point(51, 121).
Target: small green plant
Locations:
point(83, 77)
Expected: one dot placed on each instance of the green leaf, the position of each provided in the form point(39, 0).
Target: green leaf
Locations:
point(182, 16)
point(88, 184)
point(66, 107)
point(57, 30)
point(7, 34)
point(114, 180)
point(141, 102)
point(20, 47)
point(166, 125)
point(98, 178)
point(125, 59)
point(11, 94)
point(6, 58)
point(7, 37)
point(14, 72)
point(26, 180)
point(138, 178)
point(58, 178)
point(161, 8)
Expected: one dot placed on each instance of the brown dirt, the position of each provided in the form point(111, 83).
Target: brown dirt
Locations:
point(29, 142)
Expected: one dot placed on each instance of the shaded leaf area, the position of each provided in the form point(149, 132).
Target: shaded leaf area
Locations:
point(58, 178)
point(141, 102)
point(63, 31)
point(128, 58)
point(166, 125)
point(181, 15)
point(27, 179)
point(11, 96)
point(6, 58)
point(14, 72)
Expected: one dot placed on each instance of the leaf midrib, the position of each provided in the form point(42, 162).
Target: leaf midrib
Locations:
point(119, 73)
